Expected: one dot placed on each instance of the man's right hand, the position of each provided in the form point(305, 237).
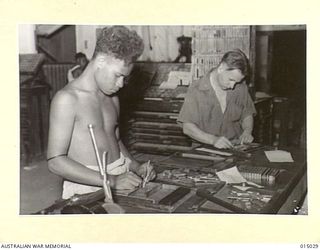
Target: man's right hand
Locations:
point(128, 180)
point(222, 142)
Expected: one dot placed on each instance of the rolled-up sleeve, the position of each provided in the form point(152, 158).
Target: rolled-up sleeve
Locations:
point(248, 105)
point(190, 111)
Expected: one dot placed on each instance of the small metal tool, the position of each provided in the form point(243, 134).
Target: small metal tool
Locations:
point(145, 179)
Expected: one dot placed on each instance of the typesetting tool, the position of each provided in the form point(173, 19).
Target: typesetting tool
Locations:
point(109, 204)
point(145, 179)
point(156, 196)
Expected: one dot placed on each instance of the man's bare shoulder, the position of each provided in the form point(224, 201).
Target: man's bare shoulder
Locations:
point(65, 96)
point(69, 94)
point(63, 107)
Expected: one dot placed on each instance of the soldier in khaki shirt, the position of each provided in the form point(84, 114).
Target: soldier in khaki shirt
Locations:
point(218, 108)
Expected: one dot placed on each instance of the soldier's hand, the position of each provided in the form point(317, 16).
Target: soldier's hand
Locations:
point(222, 142)
point(246, 137)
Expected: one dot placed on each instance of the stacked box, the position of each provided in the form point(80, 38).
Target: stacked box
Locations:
point(153, 125)
point(260, 175)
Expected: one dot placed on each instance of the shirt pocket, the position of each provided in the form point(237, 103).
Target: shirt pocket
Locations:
point(234, 113)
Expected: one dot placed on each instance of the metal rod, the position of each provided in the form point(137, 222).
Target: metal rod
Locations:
point(106, 184)
point(95, 148)
point(147, 175)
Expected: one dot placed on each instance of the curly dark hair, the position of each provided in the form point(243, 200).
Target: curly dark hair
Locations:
point(120, 42)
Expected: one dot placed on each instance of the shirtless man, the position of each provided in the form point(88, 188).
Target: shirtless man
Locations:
point(92, 99)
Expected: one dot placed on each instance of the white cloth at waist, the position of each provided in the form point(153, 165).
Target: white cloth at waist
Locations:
point(117, 167)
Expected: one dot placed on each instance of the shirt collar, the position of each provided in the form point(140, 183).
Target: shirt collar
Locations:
point(205, 82)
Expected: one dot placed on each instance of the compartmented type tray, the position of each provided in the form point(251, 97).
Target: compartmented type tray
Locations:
point(158, 196)
point(253, 200)
point(153, 197)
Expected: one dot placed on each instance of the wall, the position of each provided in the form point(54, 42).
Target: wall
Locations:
point(160, 41)
point(86, 39)
point(280, 27)
point(27, 42)
point(59, 45)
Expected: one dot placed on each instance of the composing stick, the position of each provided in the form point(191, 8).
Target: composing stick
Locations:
point(95, 148)
point(224, 152)
point(217, 152)
point(239, 153)
point(173, 197)
point(147, 191)
point(202, 157)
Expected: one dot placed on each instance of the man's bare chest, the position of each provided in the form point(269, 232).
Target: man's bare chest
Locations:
point(100, 113)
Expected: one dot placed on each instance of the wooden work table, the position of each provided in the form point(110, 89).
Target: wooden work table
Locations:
point(287, 192)
point(289, 189)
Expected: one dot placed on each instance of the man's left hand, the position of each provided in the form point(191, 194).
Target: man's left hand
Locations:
point(246, 137)
point(146, 171)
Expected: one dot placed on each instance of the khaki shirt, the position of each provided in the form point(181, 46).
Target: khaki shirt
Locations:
point(202, 108)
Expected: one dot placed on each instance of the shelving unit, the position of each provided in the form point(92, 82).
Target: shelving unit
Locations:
point(209, 43)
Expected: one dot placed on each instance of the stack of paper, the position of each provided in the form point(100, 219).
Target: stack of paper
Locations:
point(279, 156)
point(231, 175)
point(176, 78)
